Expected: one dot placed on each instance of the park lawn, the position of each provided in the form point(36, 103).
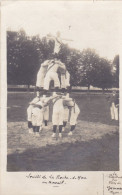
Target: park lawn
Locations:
point(93, 107)
point(94, 145)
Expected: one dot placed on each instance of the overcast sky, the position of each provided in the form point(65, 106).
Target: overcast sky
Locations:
point(94, 25)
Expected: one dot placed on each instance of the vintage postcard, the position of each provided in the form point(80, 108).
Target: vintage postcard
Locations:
point(61, 98)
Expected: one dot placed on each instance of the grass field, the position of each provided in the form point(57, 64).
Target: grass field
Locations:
point(94, 145)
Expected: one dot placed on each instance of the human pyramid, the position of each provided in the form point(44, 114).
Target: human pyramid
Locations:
point(64, 108)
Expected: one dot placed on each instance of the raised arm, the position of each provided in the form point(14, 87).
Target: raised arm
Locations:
point(49, 36)
point(67, 39)
point(46, 102)
point(34, 101)
point(67, 98)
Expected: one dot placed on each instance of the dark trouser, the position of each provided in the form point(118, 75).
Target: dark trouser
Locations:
point(39, 88)
point(30, 124)
point(36, 128)
point(64, 124)
point(69, 89)
point(45, 92)
point(63, 90)
point(56, 89)
point(56, 55)
point(55, 127)
point(72, 127)
point(45, 122)
point(60, 128)
point(39, 91)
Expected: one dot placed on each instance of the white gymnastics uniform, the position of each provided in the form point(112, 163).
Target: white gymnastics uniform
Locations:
point(75, 111)
point(114, 112)
point(57, 46)
point(41, 73)
point(114, 106)
point(65, 80)
point(67, 101)
point(66, 114)
point(52, 74)
point(58, 112)
point(45, 109)
point(69, 104)
point(29, 109)
point(37, 114)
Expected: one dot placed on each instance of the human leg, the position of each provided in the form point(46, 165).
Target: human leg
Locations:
point(112, 111)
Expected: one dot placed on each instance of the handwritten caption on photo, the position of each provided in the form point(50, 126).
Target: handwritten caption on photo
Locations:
point(55, 179)
point(114, 184)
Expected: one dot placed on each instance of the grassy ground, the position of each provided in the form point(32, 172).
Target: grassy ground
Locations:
point(94, 145)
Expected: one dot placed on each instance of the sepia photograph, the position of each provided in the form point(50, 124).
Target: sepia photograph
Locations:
point(62, 87)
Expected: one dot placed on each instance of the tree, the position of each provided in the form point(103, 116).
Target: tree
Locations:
point(45, 48)
point(12, 51)
point(116, 71)
point(24, 56)
point(88, 61)
point(103, 75)
point(94, 70)
point(71, 58)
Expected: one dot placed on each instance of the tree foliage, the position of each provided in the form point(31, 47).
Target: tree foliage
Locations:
point(22, 58)
point(103, 78)
point(116, 71)
point(89, 60)
point(25, 54)
point(94, 70)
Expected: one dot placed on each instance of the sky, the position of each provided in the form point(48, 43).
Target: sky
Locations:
point(89, 24)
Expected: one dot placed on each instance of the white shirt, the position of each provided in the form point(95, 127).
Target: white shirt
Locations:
point(57, 46)
point(58, 105)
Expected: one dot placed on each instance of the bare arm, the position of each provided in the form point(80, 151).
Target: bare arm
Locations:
point(35, 100)
point(117, 105)
point(66, 98)
point(50, 99)
point(67, 39)
point(50, 37)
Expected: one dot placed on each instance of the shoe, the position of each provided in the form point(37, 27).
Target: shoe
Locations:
point(41, 128)
point(63, 129)
point(37, 134)
point(60, 135)
point(55, 94)
point(30, 131)
point(70, 133)
point(46, 127)
point(54, 135)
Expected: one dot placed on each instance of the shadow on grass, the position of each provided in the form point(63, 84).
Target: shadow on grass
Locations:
point(96, 155)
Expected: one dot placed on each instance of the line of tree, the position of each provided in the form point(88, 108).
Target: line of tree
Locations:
point(25, 55)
